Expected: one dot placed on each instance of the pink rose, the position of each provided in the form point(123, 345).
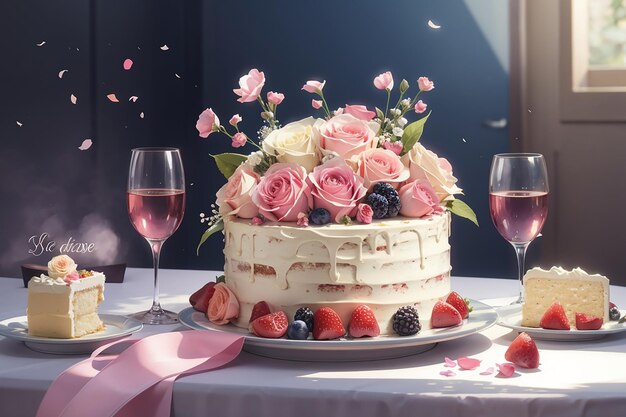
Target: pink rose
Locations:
point(316, 104)
point(275, 98)
point(239, 139)
point(72, 276)
point(207, 123)
point(282, 193)
point(384, 81)
point(360, 112)
point(235, 120)
point(345, 135)
point(250, 86)
point(417, 199)
point(235, 197)
point(223, 305)
point(426, 165)
point(425, 84)
point(364, 213)
point(336, 188)
point(381, 165)
point(315, 87)
point(395, 147)
point(61, 266)
point(420, 107)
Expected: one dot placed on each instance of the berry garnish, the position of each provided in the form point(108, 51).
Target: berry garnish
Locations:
point(554, 318)
point(523, 352)
point(393, 198)
point(461, 304)
point(394, 205)
point(199, 300)
point(272, 325)
point(319, 216)
point(363, 322)
point(383, 188)
point(260, 309)
point(298, 330)
point(444, 315)
point(614, 314)
point(588, 322)
point(328, 324)
point(379, 204)
point(406, 321)
point(306, 315)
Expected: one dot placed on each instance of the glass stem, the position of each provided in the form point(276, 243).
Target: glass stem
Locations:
point(520, 251)
point(156, 245)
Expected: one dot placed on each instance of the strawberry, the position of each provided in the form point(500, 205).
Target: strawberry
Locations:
point(327, 324)
point(260, 309)
point(461, 304)
point(554, 318)
point(273, 325)
point(523, 352)
point(363, 322)
point(585, 322)
point(199, 300)
point(444, 315)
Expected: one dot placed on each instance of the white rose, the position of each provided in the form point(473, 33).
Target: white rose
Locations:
point(60, 266)
point(425, 164)
point(296, 142)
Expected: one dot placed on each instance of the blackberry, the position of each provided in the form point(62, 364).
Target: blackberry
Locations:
point(394, 205)
point(406, 321)
point(305, 314)
point(379, 205)
point(319, 216)
point(614, 314)
point(383, 188)
point(393, 198)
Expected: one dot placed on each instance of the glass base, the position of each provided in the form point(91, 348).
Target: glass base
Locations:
point(156, 317)
point(520, 300)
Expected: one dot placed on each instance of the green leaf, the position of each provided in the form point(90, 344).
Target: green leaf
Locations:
point(221, 278)
point(214, 228)
point(227, 163)
point(412, 133)
point(461, 209)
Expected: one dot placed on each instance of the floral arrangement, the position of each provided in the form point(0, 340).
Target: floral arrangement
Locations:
point(351, 164)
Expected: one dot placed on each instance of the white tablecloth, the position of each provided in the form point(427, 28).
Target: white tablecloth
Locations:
point(575, 379)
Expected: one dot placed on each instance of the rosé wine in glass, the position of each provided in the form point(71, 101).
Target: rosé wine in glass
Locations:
point(519, 215)
point(155, 213)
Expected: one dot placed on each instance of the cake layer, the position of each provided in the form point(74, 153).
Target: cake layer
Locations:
point(576, 290)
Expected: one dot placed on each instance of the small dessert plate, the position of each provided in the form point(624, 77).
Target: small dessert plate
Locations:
point(116, 327)
point(511, 317)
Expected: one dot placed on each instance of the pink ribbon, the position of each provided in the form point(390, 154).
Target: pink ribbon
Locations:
point(140, 380)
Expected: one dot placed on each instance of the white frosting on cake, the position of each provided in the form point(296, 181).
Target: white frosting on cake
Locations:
point(386, 265)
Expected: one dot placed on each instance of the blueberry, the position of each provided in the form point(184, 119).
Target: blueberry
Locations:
point(614, 314)
point(297, 330)
point(319, 216)
point(379, 205)
point(306, 315)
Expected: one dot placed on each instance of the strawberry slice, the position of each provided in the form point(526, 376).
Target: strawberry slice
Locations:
point(588, 322)
point(260, 309)
point(363, 322)
point(327, 324)
point(444, 315)
point(460, 303)
point(554, 318)
point(523, 352)
point(199, 300)
point(272, 325)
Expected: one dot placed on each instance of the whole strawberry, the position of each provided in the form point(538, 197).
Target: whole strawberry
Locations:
point(523, 352)
point(554, 318)
point(363, 322)
point(444, 315)
point(461, 304)
point(199, 300)
point(327, 324)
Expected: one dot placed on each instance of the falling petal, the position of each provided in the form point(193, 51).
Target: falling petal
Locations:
point(85, 145)
point(176, 75)
point(530, 111)
point(505, 369)
point(133, 98)
point(468, 363)
point(433, 25)
point(18, 123)
point(449, 362)
point(141, 115)
point(61, 73)
point(488, 371)
point(464, 140)
point(128, 63)
point(42, 43)
point(113, 98)
point(165, 48)
point(73, 99)
point(447, 372)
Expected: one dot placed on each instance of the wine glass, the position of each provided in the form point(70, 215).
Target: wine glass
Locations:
point(156, 205)
point(518, 201)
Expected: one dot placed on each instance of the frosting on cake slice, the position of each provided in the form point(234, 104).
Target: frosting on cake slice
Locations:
point(576, 290)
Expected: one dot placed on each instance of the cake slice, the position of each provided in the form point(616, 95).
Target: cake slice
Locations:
point(576, 290)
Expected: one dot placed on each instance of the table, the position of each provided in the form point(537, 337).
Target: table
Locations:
point(575, 379)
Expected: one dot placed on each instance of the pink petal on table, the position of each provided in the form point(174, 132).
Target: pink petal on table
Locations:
point(447, 372)
point(468, 363)
point(85, 145)
point(61, 73)
point(113, 98)
point(141, 115)
point(73, 99)
point(128, 63)
point(487, 371)
point(433, 25)
point(42, 43)
point(176, 75)
point(449, 362)
point(18, 123)
point(133, 98)
point(506, 369)
point(165, 48)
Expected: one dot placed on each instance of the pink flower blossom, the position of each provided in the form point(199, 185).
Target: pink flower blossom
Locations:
point(381, 165)
point(71, 277)
point(313, 86)
point(395, 147)
point(235, 197)
point(425, 84)
point(257, 221)
point(275, 98)
point(417, 199)
point(250, 86)
point(468, 363)
point(282, 193)
point(207, 123)
point(360, 112)
point(449, 363)
point(426, 165)
point(316, 104)
point(384, 81)
point(505, 369)
point(420, 107)
point(223, 305)
point(234, 121)
point(346, 136)
point(239, 140)
point(303, 219)
point(335, 187)
point(364, 213)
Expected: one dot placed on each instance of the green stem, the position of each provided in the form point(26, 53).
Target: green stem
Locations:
point(325, 105)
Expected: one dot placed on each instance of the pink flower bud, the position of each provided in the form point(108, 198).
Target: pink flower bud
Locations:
point(312, 86)
point(207, 123)
point(316, 104)
point(239, 139)
point(420, 107)
point(395, 147)
point(364, 213)
point(275, 98)
point(303, 219)
point(384, 81)
point(257, 221)
point(235, 120)
point(425, 84)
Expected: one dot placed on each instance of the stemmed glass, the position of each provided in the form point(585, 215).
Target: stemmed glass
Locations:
point(156, 205)
point(518, 201)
